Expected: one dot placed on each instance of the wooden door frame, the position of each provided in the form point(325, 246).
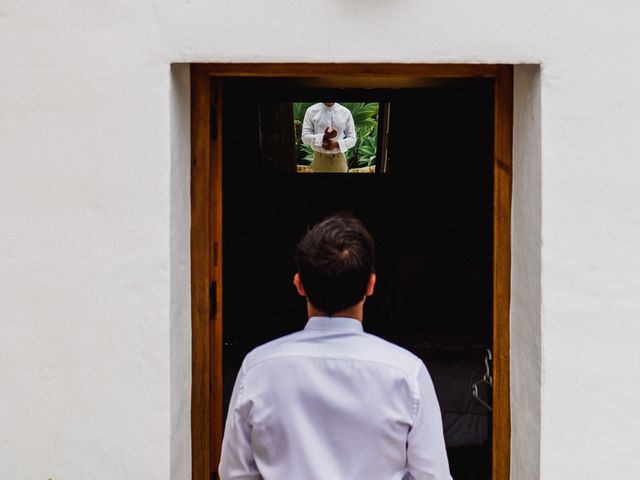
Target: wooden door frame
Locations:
point(206, 234)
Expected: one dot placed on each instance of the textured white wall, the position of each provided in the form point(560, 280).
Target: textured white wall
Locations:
point(525, 275)
point(180, 331)
point(93, 344)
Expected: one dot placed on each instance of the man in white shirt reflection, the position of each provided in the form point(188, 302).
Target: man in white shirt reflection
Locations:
point(329, 129)
point(332, 402)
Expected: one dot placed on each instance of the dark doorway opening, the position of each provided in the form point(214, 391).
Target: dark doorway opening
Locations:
point(431, 215)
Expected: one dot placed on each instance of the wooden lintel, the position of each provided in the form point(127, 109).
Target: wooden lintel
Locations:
point(437, 70)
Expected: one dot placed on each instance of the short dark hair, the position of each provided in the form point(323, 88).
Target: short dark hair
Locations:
point(335, 259)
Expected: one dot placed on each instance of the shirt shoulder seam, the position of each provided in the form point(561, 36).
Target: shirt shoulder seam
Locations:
point(333, 357)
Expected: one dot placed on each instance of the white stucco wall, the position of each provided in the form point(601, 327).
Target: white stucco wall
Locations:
point(525, 275)
point(180, 319)
point(94, 344)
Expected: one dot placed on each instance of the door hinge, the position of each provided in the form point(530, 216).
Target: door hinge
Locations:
point(213, 298)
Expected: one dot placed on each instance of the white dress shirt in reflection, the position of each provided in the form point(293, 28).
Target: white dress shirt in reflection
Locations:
point(331, 402)
point(318, 117)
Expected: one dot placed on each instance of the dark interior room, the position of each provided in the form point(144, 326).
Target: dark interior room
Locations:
point(430, 212)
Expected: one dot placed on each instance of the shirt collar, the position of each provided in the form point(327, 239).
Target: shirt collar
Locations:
point(343, 324)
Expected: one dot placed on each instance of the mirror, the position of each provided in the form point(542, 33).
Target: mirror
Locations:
point(321, 137)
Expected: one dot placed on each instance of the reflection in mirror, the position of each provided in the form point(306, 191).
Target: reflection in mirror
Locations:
point(333, 137)
point(336, 137)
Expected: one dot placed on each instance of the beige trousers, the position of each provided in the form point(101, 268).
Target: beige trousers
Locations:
point(329, 162)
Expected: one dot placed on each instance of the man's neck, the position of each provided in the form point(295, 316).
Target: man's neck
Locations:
point(355, 312)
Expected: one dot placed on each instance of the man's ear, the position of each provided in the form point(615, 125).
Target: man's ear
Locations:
point(298, 284)
point(371, 284)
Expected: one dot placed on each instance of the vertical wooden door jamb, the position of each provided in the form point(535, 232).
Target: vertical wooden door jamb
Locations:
point(215, 268)
point(503, 132)
point(200, 276)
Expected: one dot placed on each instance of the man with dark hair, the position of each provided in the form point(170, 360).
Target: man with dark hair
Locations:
point(331, 402)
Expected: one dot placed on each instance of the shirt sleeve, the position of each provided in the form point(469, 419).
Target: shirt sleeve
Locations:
point(308, 134)
point(236, 460)
point(426, 453)
point(349, 139)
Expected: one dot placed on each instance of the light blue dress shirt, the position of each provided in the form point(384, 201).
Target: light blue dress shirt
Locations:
point(332, 402)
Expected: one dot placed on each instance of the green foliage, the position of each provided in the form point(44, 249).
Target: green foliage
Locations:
point(365, 117)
